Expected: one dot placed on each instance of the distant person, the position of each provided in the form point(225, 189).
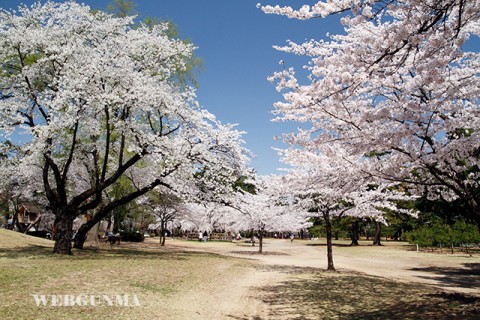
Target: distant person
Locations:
point(205, 236)
point(291, 238)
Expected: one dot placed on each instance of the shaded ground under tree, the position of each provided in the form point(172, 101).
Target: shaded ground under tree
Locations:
point(315, 294)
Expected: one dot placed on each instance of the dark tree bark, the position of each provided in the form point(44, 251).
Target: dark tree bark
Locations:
point(116, 223)
point(376, 239)
point(15, 215)
point(252, 238)
point(162, 233)
point(106, 209)
point(260, 241)
point(81, 235)
point(328, 227)
point(355, 233)
point(336, 235)
point(62, 233)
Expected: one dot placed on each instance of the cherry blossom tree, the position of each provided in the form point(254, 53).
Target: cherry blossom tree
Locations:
point(256, 205)
point(165, 208)
point(267, 209)
point(19, 186)
point(328, 185)
point(100, 101)
point(400, 86)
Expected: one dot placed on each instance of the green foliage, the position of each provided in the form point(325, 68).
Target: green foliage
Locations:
point(13, 66)
point(185, 75)
point(448, 212)
point(377, 154)
point(439, 234)
point(122, 8)
point(316, 230)
point(240, 184)
point(465, 232)
point(121, 188)
point(340, 227)
point(422, 236)
point(132, 236)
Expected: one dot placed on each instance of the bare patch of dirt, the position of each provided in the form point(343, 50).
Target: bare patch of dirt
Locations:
point(372, 282)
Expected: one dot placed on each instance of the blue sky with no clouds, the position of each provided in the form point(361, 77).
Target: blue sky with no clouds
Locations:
point(234, 40)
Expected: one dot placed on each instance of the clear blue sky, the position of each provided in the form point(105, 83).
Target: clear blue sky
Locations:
point(234, 40)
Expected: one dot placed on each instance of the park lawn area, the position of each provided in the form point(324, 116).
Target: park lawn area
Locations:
point(171, 283)
point(165, 281)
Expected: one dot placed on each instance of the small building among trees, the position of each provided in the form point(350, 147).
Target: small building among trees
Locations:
point(27, 217)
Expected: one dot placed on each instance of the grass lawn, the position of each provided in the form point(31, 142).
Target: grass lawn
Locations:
point(164, 281)
point(171, 283)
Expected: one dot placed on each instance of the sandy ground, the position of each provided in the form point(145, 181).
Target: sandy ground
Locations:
point(451, 272)
point(393, 260)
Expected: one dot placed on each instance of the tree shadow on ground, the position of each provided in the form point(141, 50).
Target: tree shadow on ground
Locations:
point(264, 253)
point(313, 294)
point(103, 253)
point(31, 251)
point(467, 277)
point(342, 245)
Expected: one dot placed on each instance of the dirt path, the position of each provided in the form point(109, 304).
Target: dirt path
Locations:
point(455, 272)
point(264, 290)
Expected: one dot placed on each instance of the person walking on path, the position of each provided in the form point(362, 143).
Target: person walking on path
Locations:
point(205, 236)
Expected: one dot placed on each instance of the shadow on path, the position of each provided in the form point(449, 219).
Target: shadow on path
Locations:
point(314, 294)
point(467, 277)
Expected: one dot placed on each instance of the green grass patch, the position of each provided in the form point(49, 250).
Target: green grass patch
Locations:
point(158, 277)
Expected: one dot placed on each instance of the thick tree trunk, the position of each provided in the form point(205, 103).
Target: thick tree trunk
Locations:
point(328, 226)
point(376, 239)
point(355, 233)
point(80, 236)
point(92, 239)
point(62, 233)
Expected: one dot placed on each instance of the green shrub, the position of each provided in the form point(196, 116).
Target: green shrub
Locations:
point(465, 233)
point(443, 235)
point(132, 236)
